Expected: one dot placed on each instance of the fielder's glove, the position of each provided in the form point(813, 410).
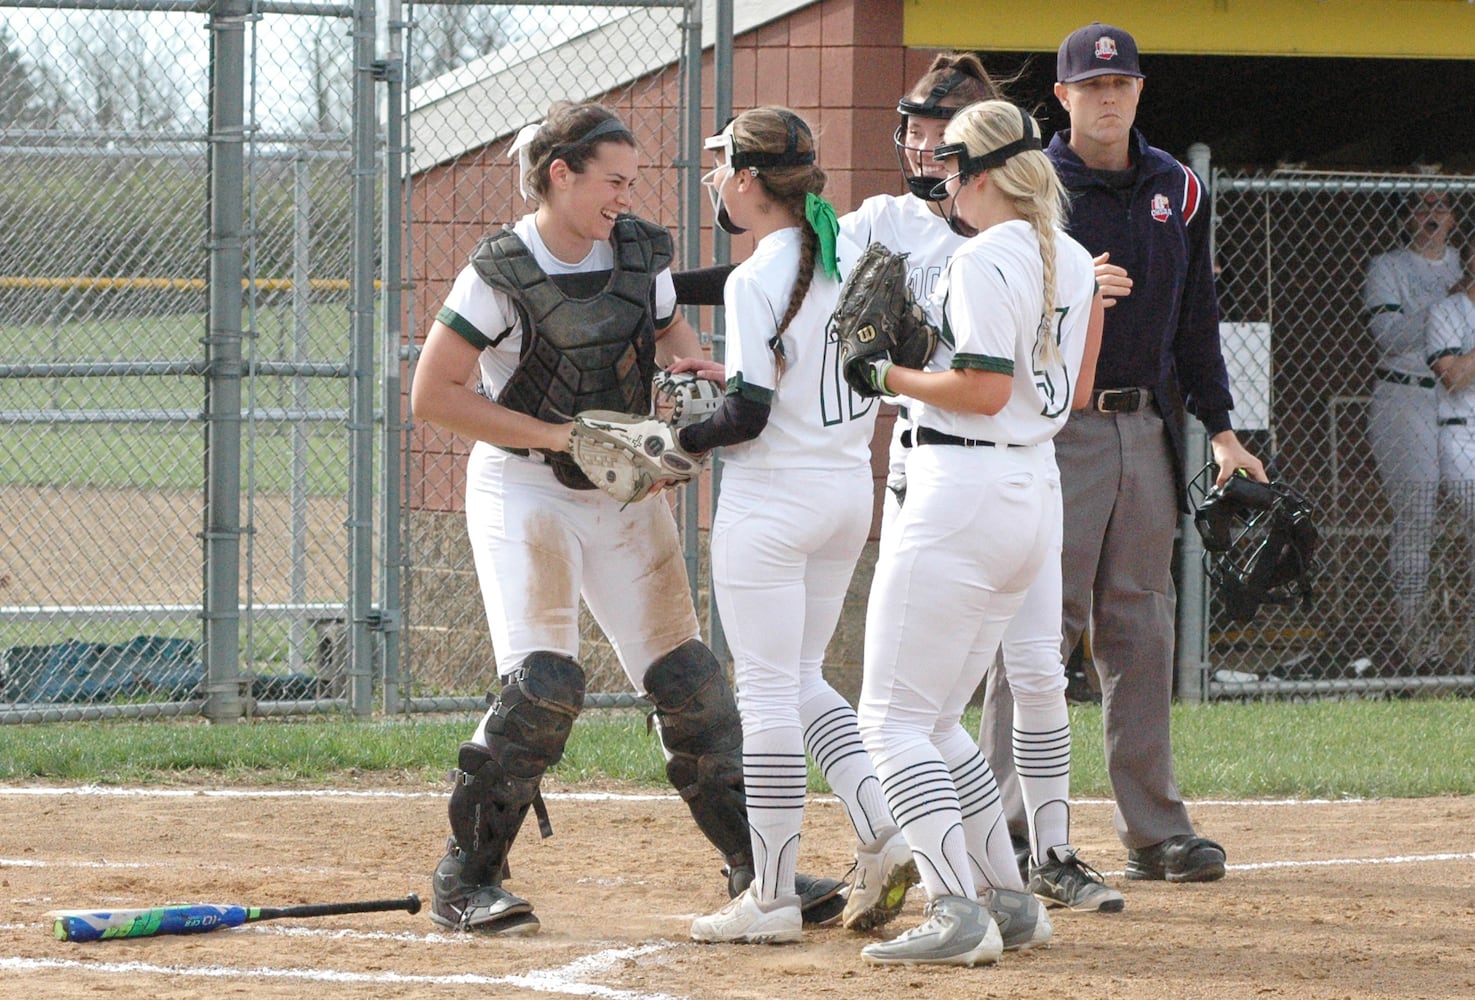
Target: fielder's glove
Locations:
point(683, 399)
point(628, 456)
point(877, 319)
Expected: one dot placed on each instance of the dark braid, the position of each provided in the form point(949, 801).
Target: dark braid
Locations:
point(808, 251)
point(766, 129)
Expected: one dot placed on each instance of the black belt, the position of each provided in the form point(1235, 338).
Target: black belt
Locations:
point(926, 435)
point(1400, 378)
point(1121, 400)
point(1453, 422)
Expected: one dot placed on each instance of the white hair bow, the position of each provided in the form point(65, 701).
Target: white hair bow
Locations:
point(519, 149)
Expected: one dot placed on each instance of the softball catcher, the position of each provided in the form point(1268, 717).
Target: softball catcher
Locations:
point(579, 286)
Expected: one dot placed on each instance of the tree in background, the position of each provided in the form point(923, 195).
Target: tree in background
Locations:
point(447, 38)
point(21, 102)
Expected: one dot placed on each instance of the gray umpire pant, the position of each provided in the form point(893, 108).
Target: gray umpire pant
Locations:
point(1121, 514)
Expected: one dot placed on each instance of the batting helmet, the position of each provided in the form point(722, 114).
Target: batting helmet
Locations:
point(1259, 541)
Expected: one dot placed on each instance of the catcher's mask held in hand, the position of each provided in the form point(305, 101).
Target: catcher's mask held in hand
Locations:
point(970, 166)
point(730, 159)
point(1259, 541)
point(919, 184)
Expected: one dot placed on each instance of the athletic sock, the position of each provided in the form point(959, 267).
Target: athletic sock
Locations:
point(833, 740)
point(775, 776)
point(1042, 760)
point(921, 795)
point(990, 852)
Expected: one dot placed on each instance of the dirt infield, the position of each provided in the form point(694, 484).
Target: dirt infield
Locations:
point(1323, 900)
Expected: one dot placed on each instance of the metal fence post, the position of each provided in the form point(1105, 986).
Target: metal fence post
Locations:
point(361, 333)
point(393, 357)
point(223, 361)
point(1193, 588)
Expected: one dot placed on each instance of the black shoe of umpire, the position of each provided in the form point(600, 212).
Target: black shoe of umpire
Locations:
point(1184, 858)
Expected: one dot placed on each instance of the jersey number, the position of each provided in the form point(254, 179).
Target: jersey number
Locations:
point(1053, 378)
point(837, 401)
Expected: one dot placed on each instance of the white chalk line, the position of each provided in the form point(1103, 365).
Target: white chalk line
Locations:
point(302, 793)
point(341, 793)
point(565, 980)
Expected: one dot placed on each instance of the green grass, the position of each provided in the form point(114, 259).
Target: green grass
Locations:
point(1378, 749)
point(168, 455)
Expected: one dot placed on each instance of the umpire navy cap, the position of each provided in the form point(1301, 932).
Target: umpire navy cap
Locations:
point(1096, 50)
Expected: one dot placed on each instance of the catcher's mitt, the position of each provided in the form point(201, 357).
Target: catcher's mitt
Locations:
point(683, 399)
point(628, 456)
point(876, 317)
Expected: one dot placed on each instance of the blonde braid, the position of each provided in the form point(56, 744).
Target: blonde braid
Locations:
point(1046, 348)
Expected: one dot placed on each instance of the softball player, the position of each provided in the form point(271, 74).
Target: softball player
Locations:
point(1015, 305)
point(793, 515)
point(914, 224)
point(578, 285)
point(1401, 286)
point(1450, 349)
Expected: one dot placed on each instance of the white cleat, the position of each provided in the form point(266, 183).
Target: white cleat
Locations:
point(747, 920)
point(879, 889)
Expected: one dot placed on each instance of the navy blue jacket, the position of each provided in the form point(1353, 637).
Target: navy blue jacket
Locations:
point(1166, 333)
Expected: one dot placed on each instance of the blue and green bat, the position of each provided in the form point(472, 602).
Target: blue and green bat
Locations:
point(196, 918)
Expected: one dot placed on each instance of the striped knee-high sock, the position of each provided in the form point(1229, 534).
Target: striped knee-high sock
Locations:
point(775, 776)
point(833, 740)
point(1042, 760)
point(990, 853)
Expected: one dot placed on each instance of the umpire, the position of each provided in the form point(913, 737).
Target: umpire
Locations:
point(1121, 460)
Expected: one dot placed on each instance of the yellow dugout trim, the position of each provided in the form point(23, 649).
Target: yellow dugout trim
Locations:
point(1403, 29)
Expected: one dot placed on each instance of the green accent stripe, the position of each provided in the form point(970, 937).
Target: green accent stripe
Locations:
point(464, 328)
point(752, 393)
point(984, 363)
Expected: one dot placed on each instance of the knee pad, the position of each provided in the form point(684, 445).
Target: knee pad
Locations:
point(494, 785)
point(703, 736)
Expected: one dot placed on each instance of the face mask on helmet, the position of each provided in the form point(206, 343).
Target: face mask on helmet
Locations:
point(1259, 541)
point(731, 159)
point(909, 157)
point(970, 166)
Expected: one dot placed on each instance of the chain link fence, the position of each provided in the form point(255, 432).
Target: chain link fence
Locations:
point(108, 339)
point(1391, 612)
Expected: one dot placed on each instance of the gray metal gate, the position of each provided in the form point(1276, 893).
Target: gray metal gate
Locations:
point(1293, 248)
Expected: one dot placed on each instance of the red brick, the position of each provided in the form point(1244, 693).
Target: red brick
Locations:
point(772, 84)
point(775, 34)
point(803, 77)
point(744, 78)
point(838, 24)
point(805, 25)
point(836, 77)
point(878, 22)
point(879, 77)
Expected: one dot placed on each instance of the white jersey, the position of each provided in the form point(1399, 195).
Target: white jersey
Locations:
point(475, 308)
point(904, 224)
point(989, 304)
point(815, 420)
point(1401, 286)
point(1451, 330)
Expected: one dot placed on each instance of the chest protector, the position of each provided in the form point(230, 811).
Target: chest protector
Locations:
point(582, 348)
